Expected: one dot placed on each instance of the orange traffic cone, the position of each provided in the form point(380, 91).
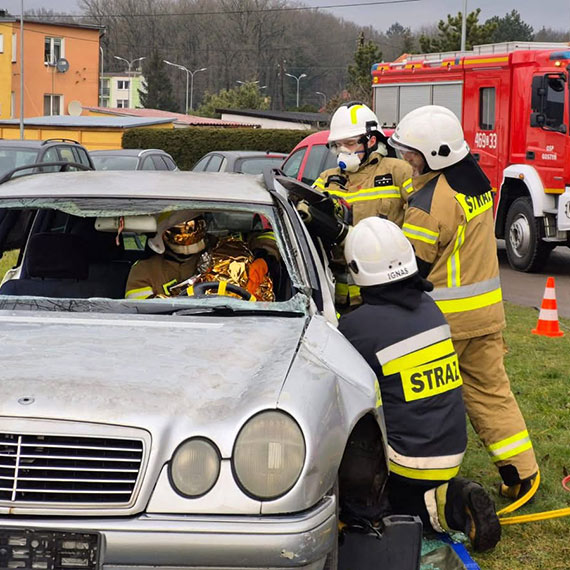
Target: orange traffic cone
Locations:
point(548, 318)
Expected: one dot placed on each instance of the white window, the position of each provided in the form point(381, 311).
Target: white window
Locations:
point(53, 104)
point(123, 103)
point(14, 47)
point(122, 84)
point(53, 50)
point(1, 43)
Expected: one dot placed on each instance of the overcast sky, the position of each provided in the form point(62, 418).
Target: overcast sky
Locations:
point(549, 13)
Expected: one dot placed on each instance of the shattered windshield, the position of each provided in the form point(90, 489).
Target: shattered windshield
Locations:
point(148, 256)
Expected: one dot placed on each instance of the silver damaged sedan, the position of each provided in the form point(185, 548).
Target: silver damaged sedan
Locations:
point(184, 431)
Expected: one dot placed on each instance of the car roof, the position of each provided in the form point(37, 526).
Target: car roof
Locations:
point(162, 185)
point(126, 151)
point(32, 144)
point(320, 137)
point(247, 153)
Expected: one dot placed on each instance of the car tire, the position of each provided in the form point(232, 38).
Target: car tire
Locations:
point(331, 563)
point(526, 251)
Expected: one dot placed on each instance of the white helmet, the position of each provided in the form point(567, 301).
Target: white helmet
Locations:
point(353, 120)
point(377, 252)
point(433, 131)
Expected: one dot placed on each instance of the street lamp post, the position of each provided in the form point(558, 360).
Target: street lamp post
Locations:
point(464, 26)
point(130, 64)
point(324, 97)
point(22, 69)
point(298, 79)
point(189, 76)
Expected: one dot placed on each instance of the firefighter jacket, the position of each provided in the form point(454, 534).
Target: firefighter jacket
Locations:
point(453, 237)
point(157, 274)
point(407, 343)
point(380, 187)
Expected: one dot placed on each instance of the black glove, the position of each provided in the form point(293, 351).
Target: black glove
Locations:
point(324, 223)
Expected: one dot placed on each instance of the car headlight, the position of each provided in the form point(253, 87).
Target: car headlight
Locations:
point(269, 454)
point(194, 467)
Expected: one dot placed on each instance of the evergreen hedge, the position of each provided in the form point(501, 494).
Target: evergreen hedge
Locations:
point(187, 146)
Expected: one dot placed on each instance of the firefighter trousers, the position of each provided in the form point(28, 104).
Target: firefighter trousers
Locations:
point(492, 408)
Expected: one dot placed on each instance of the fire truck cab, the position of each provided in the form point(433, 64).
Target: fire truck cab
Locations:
point(513, 102)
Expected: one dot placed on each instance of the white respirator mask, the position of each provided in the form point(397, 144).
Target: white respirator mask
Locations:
point(349, 161)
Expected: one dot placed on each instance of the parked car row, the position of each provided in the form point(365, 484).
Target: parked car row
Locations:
point(305, 162)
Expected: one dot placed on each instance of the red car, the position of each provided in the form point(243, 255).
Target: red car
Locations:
point(311, 157)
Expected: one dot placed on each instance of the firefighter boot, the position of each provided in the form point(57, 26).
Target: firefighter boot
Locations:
point(515, 488)
point(469, 509)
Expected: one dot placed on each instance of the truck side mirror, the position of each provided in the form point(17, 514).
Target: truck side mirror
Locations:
point(537, 119)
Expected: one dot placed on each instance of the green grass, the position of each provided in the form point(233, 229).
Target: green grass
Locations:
point(8, 261)
point(539, 370)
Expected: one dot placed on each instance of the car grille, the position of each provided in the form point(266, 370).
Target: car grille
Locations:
point(68, 469)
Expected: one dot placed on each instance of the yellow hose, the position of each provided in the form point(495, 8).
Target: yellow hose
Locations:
point(532, 517)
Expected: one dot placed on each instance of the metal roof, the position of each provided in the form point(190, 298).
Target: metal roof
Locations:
point(126, 152)
point(161, 185)
point(247, 153)
point(179, 118)
point(85, 121)
point(292, 116)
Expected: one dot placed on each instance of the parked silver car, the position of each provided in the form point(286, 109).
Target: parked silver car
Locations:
point(133, 159)
point(178, 432)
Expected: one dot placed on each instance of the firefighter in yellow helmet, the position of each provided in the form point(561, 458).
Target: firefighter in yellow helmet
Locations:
point(177, 245)
point(366, 181)
point(420, 384)
point(449, 221)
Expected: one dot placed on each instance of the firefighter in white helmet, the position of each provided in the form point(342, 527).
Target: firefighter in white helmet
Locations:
point(449, 221)
point(405, 339)
point(366, 180)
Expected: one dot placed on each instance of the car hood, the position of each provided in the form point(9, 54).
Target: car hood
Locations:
point(144, 371)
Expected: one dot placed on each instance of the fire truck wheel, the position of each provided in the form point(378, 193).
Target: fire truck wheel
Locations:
point(526, 251)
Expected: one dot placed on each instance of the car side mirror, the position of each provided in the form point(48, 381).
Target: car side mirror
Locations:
point(538, 120)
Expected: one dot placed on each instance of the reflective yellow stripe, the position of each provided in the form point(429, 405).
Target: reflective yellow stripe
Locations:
point(453, 263)
point(353, 117)
point(190, 291)
point(364, 194)
point(475, 205)
point(470, 303)
point(345, 290)
point(378, 393)
point(142, 293)
point(408, 186)
point(222, 287)
point(419, 357)
point(319, 183)
point(265, 235)
point(424, 474)
point(252, 299)
point(166, 286)
point(420, 234)
point(510, 446)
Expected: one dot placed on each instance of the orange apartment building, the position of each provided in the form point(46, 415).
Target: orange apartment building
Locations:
point(61, 65)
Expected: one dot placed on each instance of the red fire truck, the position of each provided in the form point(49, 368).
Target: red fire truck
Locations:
point(513, 102)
